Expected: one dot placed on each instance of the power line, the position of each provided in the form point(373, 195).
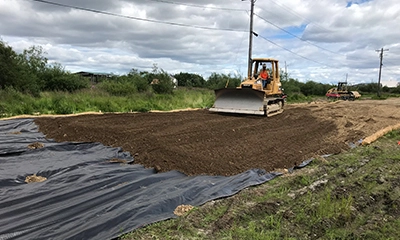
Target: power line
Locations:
point(388, 68)
point(294, 13)
point(199, 6)
point(390, 63)
point(290, 50)
point(273, 24)
point(136, 18)
point(299, 37)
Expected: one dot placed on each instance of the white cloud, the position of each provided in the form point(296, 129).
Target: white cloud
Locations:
point(337, 38)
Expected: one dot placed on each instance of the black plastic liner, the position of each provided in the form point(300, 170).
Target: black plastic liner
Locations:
point(87, 197)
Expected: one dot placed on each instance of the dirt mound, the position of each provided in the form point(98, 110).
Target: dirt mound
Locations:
point(200, 142)
point(182, 210)
point(35, 145)
point(33, 179)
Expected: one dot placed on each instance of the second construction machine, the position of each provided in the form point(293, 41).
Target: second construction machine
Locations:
point(341, 92)
point(250, 97)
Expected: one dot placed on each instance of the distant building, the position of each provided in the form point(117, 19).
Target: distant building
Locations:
point(390, 83)
point(95, 77)
point(174, 81)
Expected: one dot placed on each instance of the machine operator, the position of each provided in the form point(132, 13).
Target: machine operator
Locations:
point(264, 76)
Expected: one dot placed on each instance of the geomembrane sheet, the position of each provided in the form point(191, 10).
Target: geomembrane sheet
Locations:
point(87, 197)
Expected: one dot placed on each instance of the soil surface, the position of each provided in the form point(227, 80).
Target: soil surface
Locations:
point(200, 142)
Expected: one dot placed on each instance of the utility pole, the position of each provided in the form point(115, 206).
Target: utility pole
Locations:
point(380, 69)
point(250, 38)
point(285, 71)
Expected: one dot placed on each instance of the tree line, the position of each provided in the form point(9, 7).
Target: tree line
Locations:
point(30, 72)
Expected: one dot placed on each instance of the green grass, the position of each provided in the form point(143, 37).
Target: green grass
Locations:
point(14, 103)
point(353, 195)
point(299, 98)
point(383, 96)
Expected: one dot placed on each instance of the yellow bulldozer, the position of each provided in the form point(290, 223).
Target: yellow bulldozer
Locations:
point(250, 97)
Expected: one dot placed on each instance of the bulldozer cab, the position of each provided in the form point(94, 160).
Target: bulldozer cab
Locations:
point(342, 86)
point(273, 86)
point(258, 65)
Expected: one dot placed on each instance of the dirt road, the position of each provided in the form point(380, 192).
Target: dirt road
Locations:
point(200, 142)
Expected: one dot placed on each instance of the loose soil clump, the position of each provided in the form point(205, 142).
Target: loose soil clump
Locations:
point(35, 145)
point(33, 179)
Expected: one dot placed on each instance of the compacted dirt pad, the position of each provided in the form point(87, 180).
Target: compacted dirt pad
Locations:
point(200, 142)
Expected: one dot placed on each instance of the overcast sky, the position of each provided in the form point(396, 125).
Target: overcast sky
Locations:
point(316, 40)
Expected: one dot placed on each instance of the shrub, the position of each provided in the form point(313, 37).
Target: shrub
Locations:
point(141, 84)
point(297, 97)
point(216, 81)
point(190, 80)
point(61, 105)
point(66, 82)
point(164, 85)
point(118, 88)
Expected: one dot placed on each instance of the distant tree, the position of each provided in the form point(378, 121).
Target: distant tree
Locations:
point(141, 83)
point(291, 86)
point(162, 83)
point(190, 80)
point(396, 89)
point(133, 72)
point(30, 72)
point(315, 88)
point(20, 71)
point(9, 69)
point(218, 80)
point(385, 89)
point(368, 87)
point(284, 76)
point(55, 78)
point(34, 60)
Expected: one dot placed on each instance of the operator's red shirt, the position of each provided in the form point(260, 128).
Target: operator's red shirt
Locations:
point(264, 74)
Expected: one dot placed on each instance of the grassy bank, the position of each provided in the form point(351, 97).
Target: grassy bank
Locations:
point(354, 195)
point(15, 103)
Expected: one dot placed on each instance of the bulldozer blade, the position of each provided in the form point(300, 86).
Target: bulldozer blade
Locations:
point(239, 100)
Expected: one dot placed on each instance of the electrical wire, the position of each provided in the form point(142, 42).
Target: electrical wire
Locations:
point(388, 68)
point(294, 13)
point(386, 61)
point(137, 18)
point(157, 21)
point(306, 58)
point(273, 24)
point(187, 25)
point(199, 6)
